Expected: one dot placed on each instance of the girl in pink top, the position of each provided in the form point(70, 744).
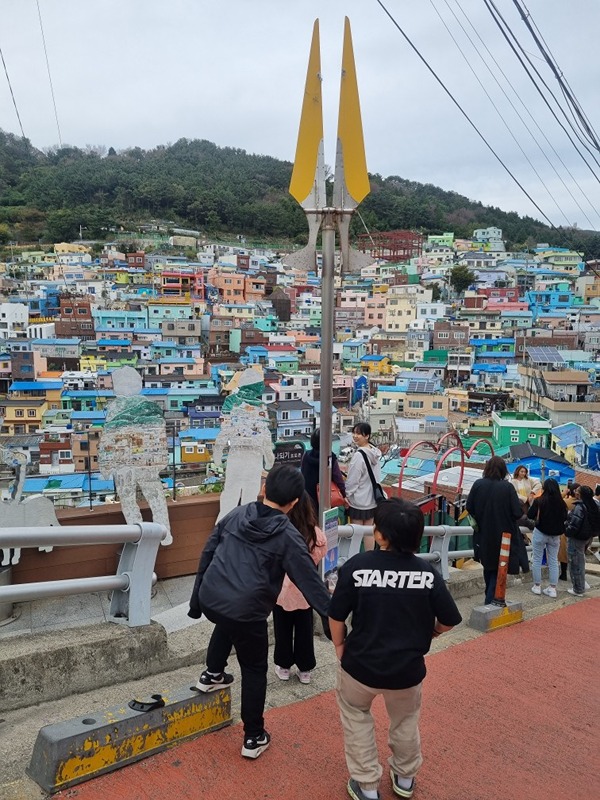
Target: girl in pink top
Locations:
point(292, 616)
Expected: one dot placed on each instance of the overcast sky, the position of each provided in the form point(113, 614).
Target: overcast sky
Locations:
point(148, 72)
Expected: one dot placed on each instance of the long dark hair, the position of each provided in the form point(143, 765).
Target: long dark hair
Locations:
point(551, 501)
point(304, 518)
point(586, 496)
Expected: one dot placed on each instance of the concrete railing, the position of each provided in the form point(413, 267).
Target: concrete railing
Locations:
point(131, 586)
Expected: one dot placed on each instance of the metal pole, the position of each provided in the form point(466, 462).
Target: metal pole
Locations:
point(327, 314)
point(174, 466)
point(89, 470)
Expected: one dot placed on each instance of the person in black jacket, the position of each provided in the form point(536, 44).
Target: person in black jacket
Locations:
point(310, 469)
point(582, 524)
point(239, 579)
point(550, 513)
point(494, 503)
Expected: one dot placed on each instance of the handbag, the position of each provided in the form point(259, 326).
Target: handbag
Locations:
point(378, 492)
point(337, 498)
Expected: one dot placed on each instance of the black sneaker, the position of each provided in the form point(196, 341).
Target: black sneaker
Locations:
point(254, 746)
point(399, 790)
point(210, 683)
point(355, 792)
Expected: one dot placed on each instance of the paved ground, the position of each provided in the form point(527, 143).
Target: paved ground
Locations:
point(515, 705)
point(507, 716)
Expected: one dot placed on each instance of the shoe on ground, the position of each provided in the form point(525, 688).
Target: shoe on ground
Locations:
point(355, 792)
point(305, 677)
point(586, 586)
point(576, 594)
point(536, 588)
point(210, 683)
point(254, 746)
point(282, 673)
point(549, 591)
point(398, 789)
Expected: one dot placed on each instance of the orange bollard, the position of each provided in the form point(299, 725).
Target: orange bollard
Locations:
point(500, 593)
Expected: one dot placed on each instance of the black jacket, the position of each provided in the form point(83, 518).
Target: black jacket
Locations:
point(548, 522)
point(496, 507)
point(244, 562)
point(578, 524)
point(310, 469)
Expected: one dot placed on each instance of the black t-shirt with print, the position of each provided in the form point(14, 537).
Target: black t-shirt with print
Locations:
point(394, 600)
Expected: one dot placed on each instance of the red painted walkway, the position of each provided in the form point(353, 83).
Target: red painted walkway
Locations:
point(513, 715)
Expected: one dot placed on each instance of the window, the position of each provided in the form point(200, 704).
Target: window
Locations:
point(67, 310)
point(514, 432)
point(514, 439)
point(82, 311)
point(443, 335)
point(415, 404)
point(19, 428)
point(285, 415)
point(64, 455)
point(189, 449)
point(19, 412)
point(437, 404)
point(31, 412)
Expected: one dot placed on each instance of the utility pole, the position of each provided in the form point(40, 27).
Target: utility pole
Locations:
point(307, 187)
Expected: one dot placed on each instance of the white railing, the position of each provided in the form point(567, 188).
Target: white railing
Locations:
point(131, 586)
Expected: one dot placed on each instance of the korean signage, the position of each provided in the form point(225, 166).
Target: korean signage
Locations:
point(289, 453)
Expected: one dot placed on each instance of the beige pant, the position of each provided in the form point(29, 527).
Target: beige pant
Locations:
point(403, 707)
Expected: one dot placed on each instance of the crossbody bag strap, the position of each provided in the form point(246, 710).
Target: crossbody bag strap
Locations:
point(369, 470)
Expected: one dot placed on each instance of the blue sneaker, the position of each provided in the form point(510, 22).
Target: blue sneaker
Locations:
point(355, 792)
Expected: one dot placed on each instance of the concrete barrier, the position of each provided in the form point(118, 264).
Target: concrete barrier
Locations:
point(55, 664)
point(71, 752)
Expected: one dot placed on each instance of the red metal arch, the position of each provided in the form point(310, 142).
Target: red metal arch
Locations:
point(425, 443)
point(460, 450)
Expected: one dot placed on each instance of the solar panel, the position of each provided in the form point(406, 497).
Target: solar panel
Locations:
point(421, 385)
point(545, 355)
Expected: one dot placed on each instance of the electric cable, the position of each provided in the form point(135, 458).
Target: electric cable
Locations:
point(527, 111)
point(464, 113)
point(497, 110)
point(585, 124)
point(12, 94)
point(497, 16)
point(49, 74)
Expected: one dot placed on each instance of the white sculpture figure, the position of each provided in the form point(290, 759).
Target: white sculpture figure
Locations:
point(133, 449)
point(244, 430)
point(32, 512)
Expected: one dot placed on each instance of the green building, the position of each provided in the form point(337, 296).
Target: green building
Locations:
point(519, 427)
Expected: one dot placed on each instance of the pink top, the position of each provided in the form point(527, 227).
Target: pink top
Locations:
point(291, 598)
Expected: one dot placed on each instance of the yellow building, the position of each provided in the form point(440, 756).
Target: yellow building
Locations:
point(23, 415)
point(92, 363)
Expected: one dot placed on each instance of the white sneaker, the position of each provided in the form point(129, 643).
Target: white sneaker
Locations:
point(304, 677)
point(573, 592)
point(549, 591)
point(282, 673)
point(536, 588)
point(587, 587)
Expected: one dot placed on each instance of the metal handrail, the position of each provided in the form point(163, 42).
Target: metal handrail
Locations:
point(131, 586)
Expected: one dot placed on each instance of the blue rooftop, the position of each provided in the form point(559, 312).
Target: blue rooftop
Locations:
point(24, 386)
point(113, 342)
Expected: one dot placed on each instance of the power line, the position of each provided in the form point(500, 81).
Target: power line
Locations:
point(12, 94)
point(49, 74)
point(526, 109)
point(497, 110)
point(584, 123)
point(500, 22)
point(464, 113)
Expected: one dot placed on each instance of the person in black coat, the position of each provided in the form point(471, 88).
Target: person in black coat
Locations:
point(310, 469)
point(494, 504)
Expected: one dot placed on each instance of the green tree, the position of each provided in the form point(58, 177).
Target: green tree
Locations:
point(461, 278)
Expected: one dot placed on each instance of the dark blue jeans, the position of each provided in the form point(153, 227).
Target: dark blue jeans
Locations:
point(490, 577)
point(576, 553)
point(251, 643)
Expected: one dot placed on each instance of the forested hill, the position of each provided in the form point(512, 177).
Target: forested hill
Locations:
point(214, 189)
